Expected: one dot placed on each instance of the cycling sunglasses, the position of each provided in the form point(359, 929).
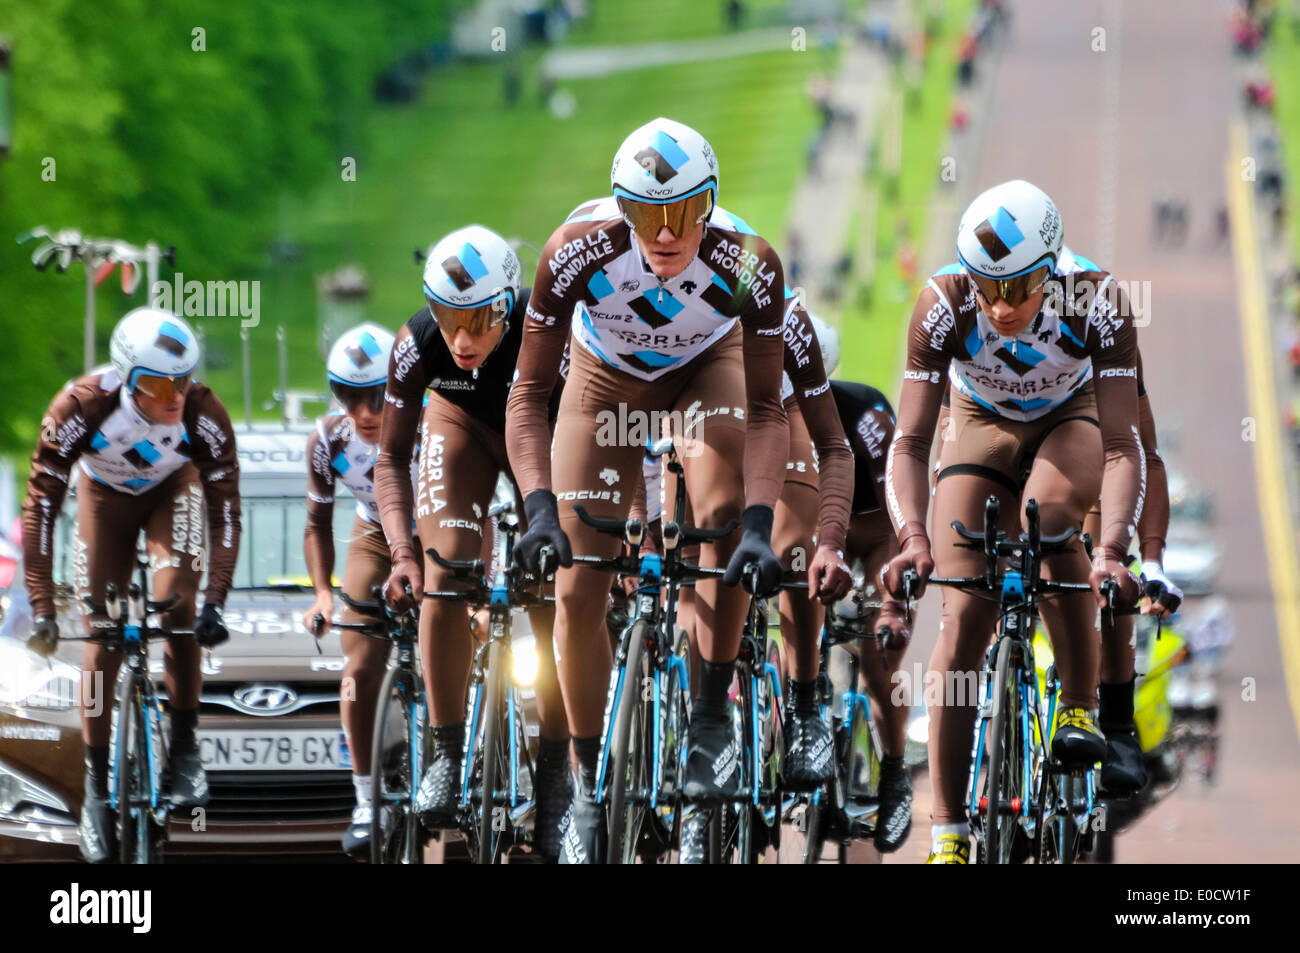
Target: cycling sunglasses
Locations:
point(1014, 291)
point(162, 388)
point(352, 397)
point(680, 217)
point(477, 321)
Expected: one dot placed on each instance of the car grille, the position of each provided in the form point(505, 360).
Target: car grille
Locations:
point(283, 797)
point(319, 700)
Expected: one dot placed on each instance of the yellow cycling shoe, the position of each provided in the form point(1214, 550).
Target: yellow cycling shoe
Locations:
point(952, 849)
point(1077, 742)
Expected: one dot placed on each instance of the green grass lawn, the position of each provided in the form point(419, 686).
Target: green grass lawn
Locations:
point(874, 318)
point(460, 156)
point(1284, 65)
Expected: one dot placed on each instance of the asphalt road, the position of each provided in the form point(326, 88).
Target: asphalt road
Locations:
point(1103, 133)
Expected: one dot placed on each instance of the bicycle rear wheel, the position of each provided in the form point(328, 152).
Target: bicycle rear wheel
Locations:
point(1002, 787)
point(629, 765)
point(134, 836)
point(398, 755)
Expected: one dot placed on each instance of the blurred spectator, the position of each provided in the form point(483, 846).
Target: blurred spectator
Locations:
point(966, 52)
point(793, 260)
point(733, 12)
point(1223, 225)
point(1259, 95)
point(960, 117)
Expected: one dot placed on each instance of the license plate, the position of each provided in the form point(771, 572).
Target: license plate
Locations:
point(297, 750)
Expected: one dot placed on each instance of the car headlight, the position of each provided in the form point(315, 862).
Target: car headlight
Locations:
point(525, 661)
point(16, 789)
point(29, 681)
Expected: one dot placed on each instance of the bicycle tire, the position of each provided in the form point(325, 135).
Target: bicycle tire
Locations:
point(493, 714)
point(404, 842)
point(1003, 716)
point(624, 824)
point(132, 829)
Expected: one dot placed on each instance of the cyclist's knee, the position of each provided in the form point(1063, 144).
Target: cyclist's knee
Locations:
point(716, 511)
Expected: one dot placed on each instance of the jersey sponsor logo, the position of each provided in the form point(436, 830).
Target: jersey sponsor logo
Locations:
point(922, 376)
point(748, 269)
point(611, 496)
point(429, 482)
point(873, 435)
point(404, 357)
point(543, 319)
point(460, 524)
point(938, 321)
point(66, 435)
point(608, 476)
point(212, 433)
point(816, 391)
point(689, 287)
point(441, 384)
point(628, 287)
point(571, 257)
point(660, 341)
point(1118, 372)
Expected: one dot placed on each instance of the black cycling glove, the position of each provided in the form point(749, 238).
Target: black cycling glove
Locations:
point(755, 547)
point(210, 631)
point(542, 513)
point(45, 635)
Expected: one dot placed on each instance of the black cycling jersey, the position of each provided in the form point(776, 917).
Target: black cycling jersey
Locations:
point(481, 393)
point(868, 421)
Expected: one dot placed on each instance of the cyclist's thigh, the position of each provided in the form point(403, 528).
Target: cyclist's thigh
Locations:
point(796, 509)
point(104, 543)
point(870, 544)
point(456, 478)
point(176, 541)
point(1065, 480)
point(604, 421)
point(366, 565)
point(709, 414)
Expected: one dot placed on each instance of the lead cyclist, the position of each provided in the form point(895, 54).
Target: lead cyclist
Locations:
point(1043, 365)
point(673, 306)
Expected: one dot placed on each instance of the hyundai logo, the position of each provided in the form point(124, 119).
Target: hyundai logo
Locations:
point(259, 699)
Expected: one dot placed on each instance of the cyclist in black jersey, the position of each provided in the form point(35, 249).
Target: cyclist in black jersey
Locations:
point(462, 348)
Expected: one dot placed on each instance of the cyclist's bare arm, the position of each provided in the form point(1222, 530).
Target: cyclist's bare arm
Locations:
point(66, 430)
point(403, 404)
point(217, 460)
point(930, 338)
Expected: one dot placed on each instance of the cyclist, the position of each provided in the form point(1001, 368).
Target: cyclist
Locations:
point(156, 450)
point(1043, 365)
point(462, 348)
point(343, 448)
point(1123, 768)
point(675, 306)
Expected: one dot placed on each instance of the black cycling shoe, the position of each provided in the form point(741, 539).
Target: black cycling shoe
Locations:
point(808, 749)
point(582, 831)
point(553, 787)
point(189, 780)
point(97, 832)
point(1077, 742)
point(356, 839)
point(438, 800)
point(712, 770)
point(1123, 770)
point(894, 817)
point(694, 847)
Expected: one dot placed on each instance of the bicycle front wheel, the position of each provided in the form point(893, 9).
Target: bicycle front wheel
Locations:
point(132, 789)
point(629, 767)
point(491, 831)
point(1002, 788)
point(397, 757)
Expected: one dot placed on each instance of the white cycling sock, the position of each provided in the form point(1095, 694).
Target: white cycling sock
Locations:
point(361, 783)
point(938, 830)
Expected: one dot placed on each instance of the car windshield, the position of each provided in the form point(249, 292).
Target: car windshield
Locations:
point(270, 548)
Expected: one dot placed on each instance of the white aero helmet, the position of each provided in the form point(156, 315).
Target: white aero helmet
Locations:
point(665, 163)
point(471, 280)
point(358, 365)
point(1010, 230)
point(156, 348)
point(829, 339)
